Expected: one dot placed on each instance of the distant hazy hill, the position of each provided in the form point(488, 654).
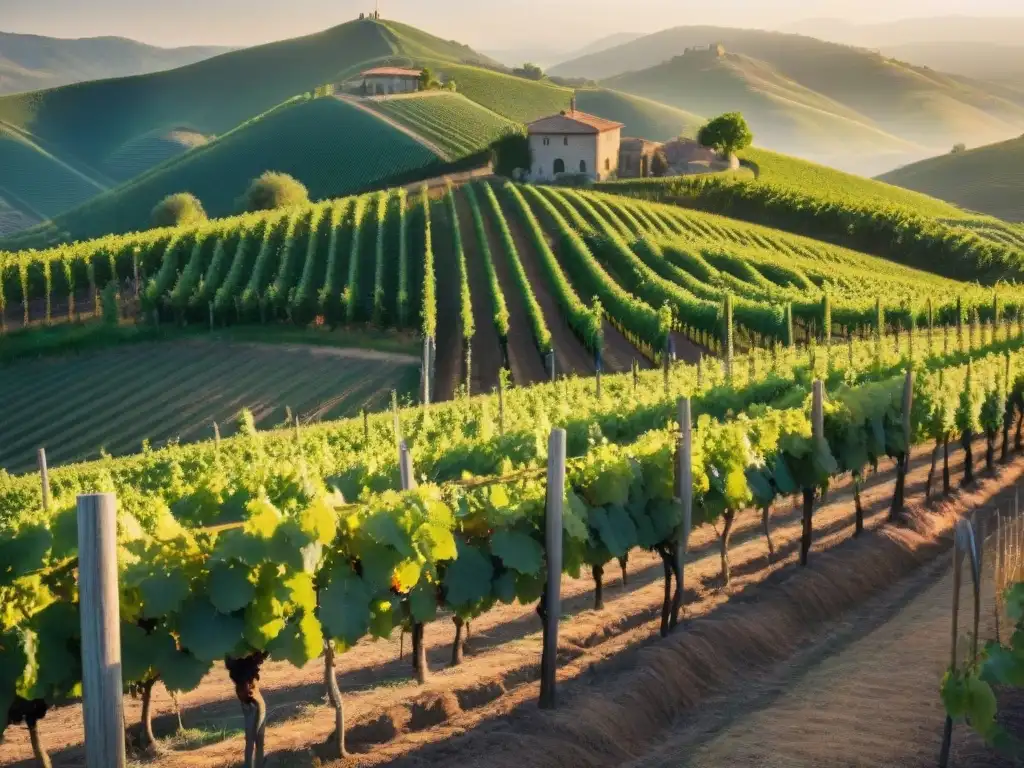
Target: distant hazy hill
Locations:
point(32, 62)
point(1008, 30)
point(989, 179)
point(1000, 63)
point(548, 55)
point(784, 115)
point(914, 104)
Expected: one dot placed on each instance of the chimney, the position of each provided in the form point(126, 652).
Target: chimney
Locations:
point(572, 104)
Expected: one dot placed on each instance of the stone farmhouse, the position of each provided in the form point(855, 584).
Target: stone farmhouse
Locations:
point(387, 80)
point(579, 144)
point(576, 143)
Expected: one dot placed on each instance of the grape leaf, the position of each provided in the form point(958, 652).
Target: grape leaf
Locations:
point(319, 521)
point(24, 552)
point(423, 603)
point(300, 641)
point(406, 575)
point(384, 528)
point(181, 671)
point(345, 606)
point(163, 592)
point(264, 619)
point(435, 542)
point(142, 651)
point(384, 615)
point(518, 551)
point(468, 577)
point(208, 634)
point(378, 563)
point(230, 589)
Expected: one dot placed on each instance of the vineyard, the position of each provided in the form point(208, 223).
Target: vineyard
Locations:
point(290, 545)
point(573, 281)
point(453, 122)
point(866, 215)
point(175, 391)
point(515, 98)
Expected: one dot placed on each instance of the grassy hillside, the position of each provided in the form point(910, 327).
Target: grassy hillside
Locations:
point(329, 145)
point(783, 114)
point(92, 121)
point(643, 118)
point(176, 391)
point(988, 179)
point(457, 125)
point(37, 183)
point(513, 97)
point(32, 62)
point(150, 149)
point(913, 103)
point(14, 219)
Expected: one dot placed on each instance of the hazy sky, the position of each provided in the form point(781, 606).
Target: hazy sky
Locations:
point(480, 23)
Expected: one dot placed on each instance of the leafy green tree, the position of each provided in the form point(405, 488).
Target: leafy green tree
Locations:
point(727, 134)
point(426, 79)
point(529, 71)
point(275, 190)
point(178, 210)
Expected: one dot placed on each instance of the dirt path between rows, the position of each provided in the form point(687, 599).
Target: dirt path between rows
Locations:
point(620, 353)
point(524, 358)
point(449, 362)
point(863, 692)
point(570, 354)
point(487, 358)
point(390, 717)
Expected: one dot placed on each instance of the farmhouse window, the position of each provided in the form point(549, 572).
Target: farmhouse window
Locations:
point(583, 166)
point(566, 141)
point(547, 142)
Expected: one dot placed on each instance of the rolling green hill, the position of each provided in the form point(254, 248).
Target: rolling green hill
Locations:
point(37, 183)
point(643, 118)
point(31, 62)
point(458, 126)
point(328, 144)
point(989, 179)
point(913, 103)
point(783, 114)
point(150, 149)
point(92, 121)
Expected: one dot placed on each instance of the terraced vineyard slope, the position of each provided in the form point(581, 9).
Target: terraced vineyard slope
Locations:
point(868, 215)
point(175, 391)
point(457, 125)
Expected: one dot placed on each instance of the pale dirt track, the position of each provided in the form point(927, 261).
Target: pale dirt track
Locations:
point(391, 719)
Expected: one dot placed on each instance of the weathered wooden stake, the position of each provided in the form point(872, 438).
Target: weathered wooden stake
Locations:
point(405, 467)
point(394, 418)
point(501, 403)
point(426, 371)
point(552, 601)
point(684, 488)
point(44, 476)
point(99, 610)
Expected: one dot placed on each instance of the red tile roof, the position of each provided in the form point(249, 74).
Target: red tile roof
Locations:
point(391, 72)
point(573, 122)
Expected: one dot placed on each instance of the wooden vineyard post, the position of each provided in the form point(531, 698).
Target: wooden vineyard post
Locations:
point(425, 377)
point(947, 731)
point(419, 648)
point(366, 426)
point(209, 306)
point(636, 376)
point(501, 401)
point(394, 418)
point(44, 477)
point(818, 433)
point(597, 371)
point(469, 369)
point(101, 631)
point(551, 602)
point(684, 487)
point(551, 364)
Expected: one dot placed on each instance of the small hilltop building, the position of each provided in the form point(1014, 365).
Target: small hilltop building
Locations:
point(387, 80)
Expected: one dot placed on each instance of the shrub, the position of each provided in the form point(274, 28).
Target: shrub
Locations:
point(275, 190)
point(178, 210)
